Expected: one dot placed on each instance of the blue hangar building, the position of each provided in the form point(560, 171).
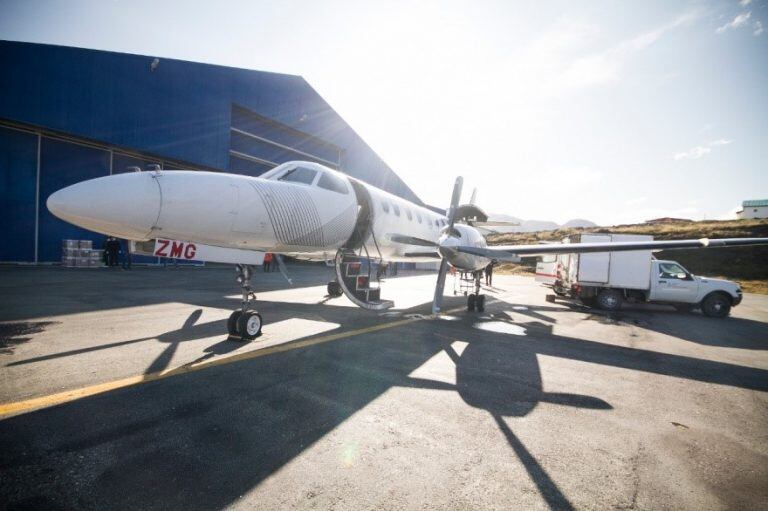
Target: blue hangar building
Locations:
point(71, 114)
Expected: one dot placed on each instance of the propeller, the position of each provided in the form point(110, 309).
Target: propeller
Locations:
point(440, 285)
point(410, 240)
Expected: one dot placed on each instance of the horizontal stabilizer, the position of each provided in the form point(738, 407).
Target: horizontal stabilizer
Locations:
point(431, 255)
point(494, 223)
point(410, 240)
point(510, 251)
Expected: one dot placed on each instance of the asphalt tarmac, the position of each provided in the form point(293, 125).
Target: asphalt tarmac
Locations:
point(121, 390)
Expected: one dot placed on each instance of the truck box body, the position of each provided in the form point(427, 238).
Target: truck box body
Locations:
point(628, 270)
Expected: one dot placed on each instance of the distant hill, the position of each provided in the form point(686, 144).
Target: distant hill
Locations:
point(536, 225)
point(578, 223)
point(743, 264)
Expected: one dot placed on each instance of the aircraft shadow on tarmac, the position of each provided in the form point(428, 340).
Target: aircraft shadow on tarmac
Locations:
point(189, 331)
point(203, 439)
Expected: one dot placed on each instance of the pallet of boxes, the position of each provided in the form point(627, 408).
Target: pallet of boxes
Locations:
point(81, 254)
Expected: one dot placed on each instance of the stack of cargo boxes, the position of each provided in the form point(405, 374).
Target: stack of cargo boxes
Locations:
point(80, 254)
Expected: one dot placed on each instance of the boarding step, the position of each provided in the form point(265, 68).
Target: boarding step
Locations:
point(359, 281)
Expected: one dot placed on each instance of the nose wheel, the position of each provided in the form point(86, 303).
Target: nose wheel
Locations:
point(476, 301)
point(245, 324)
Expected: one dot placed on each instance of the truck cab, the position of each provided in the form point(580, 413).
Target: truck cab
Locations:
point(672, 283)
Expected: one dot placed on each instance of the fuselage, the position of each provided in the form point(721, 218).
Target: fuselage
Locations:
point(300, 209)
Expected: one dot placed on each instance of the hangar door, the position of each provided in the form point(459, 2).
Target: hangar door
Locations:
point(18, 195)
point(258, 144)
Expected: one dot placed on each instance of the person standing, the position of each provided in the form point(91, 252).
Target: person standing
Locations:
point(267, 266)
point(112, 247)
point(126, 255)
point(489, 274)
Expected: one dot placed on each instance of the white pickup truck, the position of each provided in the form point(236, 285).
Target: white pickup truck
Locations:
point(606, 279)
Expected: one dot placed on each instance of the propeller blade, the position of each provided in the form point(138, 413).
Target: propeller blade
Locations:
point(455, 201)
point(410, 240)
point(282, 268)
point(437, 301)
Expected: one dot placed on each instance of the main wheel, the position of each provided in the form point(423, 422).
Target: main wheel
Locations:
point(334, 289)
point(249, 325)
point(471, 300)
point(232, 322)
point(716, 305)
point(480, 303)
point(609, 299)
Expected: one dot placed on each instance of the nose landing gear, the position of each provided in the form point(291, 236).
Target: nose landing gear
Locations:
point(476, 301)
point(245, 324)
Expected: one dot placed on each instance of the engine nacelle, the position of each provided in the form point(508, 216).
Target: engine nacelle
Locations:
point(467, 236)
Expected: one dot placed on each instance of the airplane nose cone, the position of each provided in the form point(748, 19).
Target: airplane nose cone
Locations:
point(123, 205)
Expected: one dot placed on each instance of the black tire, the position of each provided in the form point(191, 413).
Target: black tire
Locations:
point(471, 300)
point(609, 299)
point(249, 325)
point(684, 307)
point(716, 305)
point(232, 323)
point(334, 289)
point(480, 303)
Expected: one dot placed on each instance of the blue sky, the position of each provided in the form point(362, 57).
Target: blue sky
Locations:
point(610, 111)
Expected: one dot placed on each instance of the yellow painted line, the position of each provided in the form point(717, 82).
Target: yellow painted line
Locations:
point(17, 407)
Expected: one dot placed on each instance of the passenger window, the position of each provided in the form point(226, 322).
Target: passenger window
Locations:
point(397, 209)
point(332, 182)
point(408, 213)
point(385, 206)
point(672, 271)
point(299, 175)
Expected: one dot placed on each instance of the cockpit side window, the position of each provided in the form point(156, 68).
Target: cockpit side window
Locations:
point(299, 175)
point(332, 182)
point(397, 209)
point(385, 206)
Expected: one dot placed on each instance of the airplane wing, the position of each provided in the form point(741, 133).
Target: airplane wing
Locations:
point(512, 251)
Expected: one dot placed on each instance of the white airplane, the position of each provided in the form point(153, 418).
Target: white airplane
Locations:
point(307, 211)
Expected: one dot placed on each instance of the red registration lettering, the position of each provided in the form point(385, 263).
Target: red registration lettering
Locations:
point(161, 249)
point(176, 249)
point(190, 251)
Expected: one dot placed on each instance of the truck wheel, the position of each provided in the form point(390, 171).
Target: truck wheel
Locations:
point(609, 299)
point(716, 305)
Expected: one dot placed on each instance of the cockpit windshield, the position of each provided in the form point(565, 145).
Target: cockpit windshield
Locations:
point(299, 175)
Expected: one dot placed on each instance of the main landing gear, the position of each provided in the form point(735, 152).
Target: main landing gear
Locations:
point(476, 301)
point(245, 323)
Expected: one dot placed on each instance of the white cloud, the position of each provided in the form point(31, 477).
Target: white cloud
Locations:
point(597, 68)
point(700, 151)
point(693, 154)
point(739, 21)
point(745, 3)
point(636, 201)
point(758, 28)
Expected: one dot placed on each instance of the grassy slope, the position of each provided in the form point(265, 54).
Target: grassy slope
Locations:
point(747, 265)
